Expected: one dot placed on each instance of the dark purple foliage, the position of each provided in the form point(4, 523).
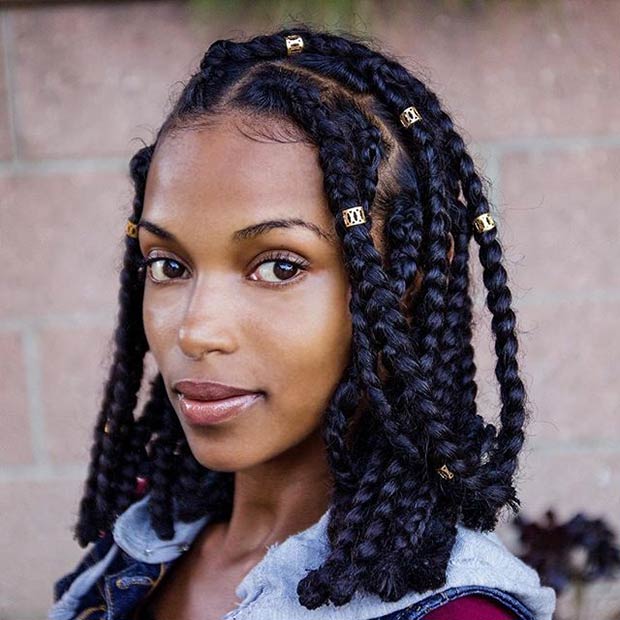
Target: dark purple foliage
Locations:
point(580, 549)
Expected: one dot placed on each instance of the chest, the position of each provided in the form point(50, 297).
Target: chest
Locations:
point(195, 589)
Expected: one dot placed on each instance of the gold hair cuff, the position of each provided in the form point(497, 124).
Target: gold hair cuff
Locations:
point(484, 222)
point(106, 428)
point(445, 473)
point(294, 44)
point(131, 229)
point(409, 116)
point(353, 216)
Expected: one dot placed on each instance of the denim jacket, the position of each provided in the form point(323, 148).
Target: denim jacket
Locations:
point(123, 568)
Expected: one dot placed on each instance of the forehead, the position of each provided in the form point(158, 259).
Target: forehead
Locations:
point(219, 171)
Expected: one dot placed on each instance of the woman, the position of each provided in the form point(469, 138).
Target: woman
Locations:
point(297, 265)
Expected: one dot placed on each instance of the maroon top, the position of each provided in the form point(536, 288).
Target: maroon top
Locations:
point(471, 607)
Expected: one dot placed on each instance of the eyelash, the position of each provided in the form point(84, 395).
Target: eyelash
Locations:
point(145, 262)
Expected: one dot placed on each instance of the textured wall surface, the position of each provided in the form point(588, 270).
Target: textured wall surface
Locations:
point(535, 89)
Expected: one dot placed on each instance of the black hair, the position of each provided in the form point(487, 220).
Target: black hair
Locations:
point(393, 518)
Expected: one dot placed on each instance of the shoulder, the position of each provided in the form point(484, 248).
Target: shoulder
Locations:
point(93, 556)
point(481, 571)
point(472, 607)
point(481, 560)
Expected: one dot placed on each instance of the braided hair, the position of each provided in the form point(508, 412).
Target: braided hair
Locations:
point(393, 518)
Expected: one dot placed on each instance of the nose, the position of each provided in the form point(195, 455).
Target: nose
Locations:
point(207, 324)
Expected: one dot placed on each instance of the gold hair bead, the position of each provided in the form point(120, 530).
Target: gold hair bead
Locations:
point(131, 229)
point(445, 473)
point(106, 428)
point(409, 116)
point(294, 44)
point(353, 216)
point(484, 222)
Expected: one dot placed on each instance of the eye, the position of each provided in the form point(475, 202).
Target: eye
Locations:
point(279, 269)
point(164, 268)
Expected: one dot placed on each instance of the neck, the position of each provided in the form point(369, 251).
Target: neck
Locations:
point(276, 499)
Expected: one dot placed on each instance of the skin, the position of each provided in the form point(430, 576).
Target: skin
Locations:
point(220, 316)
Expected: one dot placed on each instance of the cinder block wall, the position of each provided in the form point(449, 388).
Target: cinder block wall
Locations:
point(536, 89)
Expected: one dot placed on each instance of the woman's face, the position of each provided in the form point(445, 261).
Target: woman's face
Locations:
point(266, 310)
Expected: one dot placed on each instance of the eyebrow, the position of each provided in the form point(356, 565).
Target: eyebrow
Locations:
point(250, 232)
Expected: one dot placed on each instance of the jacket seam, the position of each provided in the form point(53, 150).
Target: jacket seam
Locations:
point(110, 609)
point(89, 610)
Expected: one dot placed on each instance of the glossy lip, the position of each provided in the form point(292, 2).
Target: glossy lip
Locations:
point(206, 413)
point(208, 402)
point(208, 390)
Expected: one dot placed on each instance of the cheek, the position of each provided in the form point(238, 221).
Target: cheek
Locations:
point(160, 324)
point(306, 350)
point(311, 348)
point(295, 345)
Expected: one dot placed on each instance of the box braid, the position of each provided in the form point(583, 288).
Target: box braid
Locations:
point(373, 506)
point(97, 505)
point(326, 128)
point(136, 456)
point(415, 504)
point(489, 482)
point(392, 520)
point(362, 504)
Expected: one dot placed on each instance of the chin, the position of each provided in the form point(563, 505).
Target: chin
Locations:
point(217, 457)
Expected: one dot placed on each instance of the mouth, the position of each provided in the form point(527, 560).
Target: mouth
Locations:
point(210, 412)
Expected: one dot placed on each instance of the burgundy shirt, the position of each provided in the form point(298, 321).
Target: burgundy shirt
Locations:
point(471, 607)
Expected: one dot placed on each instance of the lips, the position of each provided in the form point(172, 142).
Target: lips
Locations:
point(208, 390)
point(205, 403)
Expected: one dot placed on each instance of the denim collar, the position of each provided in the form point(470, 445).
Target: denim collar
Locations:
point(134, 534)
point(269, 589)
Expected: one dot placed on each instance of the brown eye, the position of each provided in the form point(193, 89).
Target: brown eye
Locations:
point(162, 269)
point(281, 269)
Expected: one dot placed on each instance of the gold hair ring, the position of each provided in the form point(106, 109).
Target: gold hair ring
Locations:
point(294, 44)
point(409, 116)
point(131, 229)
point(445, 473)
point(353, 216)
point(484, 222)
